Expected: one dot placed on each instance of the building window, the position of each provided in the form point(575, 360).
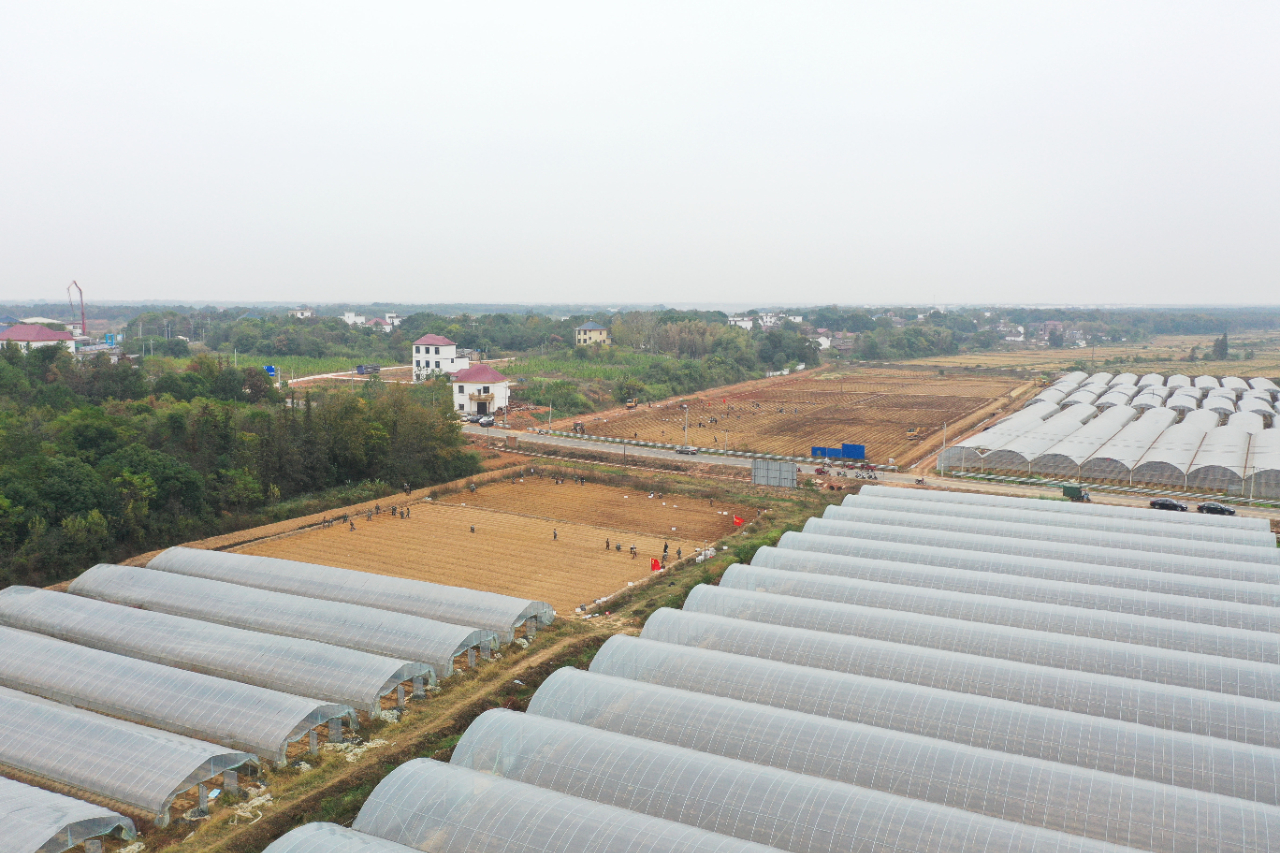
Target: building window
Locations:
point(417, 363)
point(461, 407)
point(486, 390)
point(437, 365)
point(437, 350)
point(462, 389)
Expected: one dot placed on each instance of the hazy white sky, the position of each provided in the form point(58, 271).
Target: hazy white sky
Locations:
point(740, 151)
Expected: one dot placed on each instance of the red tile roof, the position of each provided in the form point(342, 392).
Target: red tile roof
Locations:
point(479, 373)
point(434, 340)
point(28, 332)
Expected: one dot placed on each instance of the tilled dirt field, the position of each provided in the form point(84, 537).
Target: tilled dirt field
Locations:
point(526, 551)
point(789, 415)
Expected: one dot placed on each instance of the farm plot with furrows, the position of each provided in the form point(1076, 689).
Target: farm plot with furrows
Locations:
point(608, 508)
point(898, 415)
point(509, 554)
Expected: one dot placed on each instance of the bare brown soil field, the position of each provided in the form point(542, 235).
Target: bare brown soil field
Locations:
point(509, 553)
point(789, 415)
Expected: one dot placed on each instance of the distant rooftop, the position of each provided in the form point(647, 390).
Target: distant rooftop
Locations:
point(479, 373)
point(434, 341)
point(591, 326)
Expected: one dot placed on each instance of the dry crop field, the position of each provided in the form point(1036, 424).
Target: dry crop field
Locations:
point(512, 550)
point(788, 415)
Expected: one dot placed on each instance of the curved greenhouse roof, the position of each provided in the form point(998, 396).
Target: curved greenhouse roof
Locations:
point(916, 661)
point(1183, 403)
point(1100, 378)
point(1206, 382)
point(1076, 376)
point(1229, 568)
point(1247, 420)
point(1124, 379)
point(1053, 396)
point(1151, 379)
point(1018, 453)
point(301, 667)
point(1147, 400)
point(786, 810)
point(1113, 746)
point(489, 611)
point(1219, 464)
point(902, 500)
point(1116, 457)
point(134, 765)
point(814, 575)
point(1172, 453)
point(1262, 593)
point(379, 632)
point(1008, 524)
point(429, 805)
point(1261, 383)
point(331, 838)
point(1085, 396)
point(1168, 652)
point(1065, 457)
point(1067, 507)
point(240, 716)
point(40, 821)
point(1221, 405)
point(1235, 383)
point(1114, 398)
point(968, 452)
point(1178, 380)
point(1025, 790)
point(1264, 465)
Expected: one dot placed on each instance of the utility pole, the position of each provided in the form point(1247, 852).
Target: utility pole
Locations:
point(685, 406)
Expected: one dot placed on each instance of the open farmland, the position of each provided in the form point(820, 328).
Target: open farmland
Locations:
point(512, 550)
point(789, 415)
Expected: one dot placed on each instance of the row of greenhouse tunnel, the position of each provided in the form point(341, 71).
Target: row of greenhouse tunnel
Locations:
point(917, 670)
point(138, 686)
point(1206, 434)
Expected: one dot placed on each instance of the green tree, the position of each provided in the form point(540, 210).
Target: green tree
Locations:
point(1221, 351)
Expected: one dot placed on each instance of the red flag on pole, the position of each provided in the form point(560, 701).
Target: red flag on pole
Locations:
point(654, 565)
point(738, 522)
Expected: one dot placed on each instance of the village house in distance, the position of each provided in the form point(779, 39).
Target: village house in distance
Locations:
point(591, 332)
point(434, 355)
point(480, 390)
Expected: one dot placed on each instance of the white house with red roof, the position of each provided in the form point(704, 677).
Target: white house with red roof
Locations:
point(29, 336)
point(480, 390)
point(434, 355)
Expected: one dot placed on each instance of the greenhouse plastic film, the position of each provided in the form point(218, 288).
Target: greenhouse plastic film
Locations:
point(379, 632)
point(789, 811)
point(1037, 504)
point(289, 664)
point(1217, 589)
point(38, 821)
point(1141, 545)
point(331, 838)
point(1176, 708)
point(1061, 797)
point(1091, 523)
point(1202, 640)
point(240, 716)
point(431, 806)
point(470, 607)
point(138, 766)
point(1227, 569)
point(812, 575)
point(1113, 746)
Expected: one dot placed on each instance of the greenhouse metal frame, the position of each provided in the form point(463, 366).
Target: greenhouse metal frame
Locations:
point(1062, 797)
point(292, 665)
point(500, 614)
point(1162, 706)
point(1264, 465)
point(40, 821)
point(241, 716)
point(1226, 569)
point(352, 626)
point(980, 498)
point(430, 805)
point(754, 802)
point(823, 576)
point(134, 765)
point(1011, 527)
point(903, 502)
point(1219, 465)
point(1113, 746)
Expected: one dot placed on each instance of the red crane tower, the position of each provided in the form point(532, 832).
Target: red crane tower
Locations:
point(84, 327)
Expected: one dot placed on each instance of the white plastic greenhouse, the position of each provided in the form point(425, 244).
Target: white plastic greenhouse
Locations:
point(1114, 746)
point(1235, 383)
point(967, 454)
point(1168, 459)
point(1151, 380)
point(1147, 400)
point(1100, 378)
point(241, 716)
point(301, 667)
point(379, 632)
point(1248, 420)
point(1115, 459)
point(432, 806)
point(1206, 382)
point(500, 614)
point(1085, 396)
point(1263, 384)
point(1263, 465)
point(331, 838)
point(1113, 398)
point(1183, 403)
point(1016, 455)
point(1263, 594)
point(134, 765)
point(1065, 458)
point(40, 821)
point(1163, 706)
point(1025, 790)
point(1219, 465)
point(1124, 379)
point(754, 802)
point(1220, 404)
point(1053, 396)
point(1178, 380)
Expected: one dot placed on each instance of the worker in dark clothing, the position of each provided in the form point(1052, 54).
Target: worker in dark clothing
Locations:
point(678, 554)
point(377, 509)
point(555, 534)
point(606, 545)
point(664, 549)
point(353, 525)
point(618, 547)
point(473, 528)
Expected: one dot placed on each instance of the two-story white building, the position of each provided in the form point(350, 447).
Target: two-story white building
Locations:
point(351, 318)
point(434, 355)
point(29, 336)
point(480, 390)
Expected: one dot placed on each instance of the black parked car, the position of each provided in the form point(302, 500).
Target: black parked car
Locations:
point(1213, 508)
point(1168, 503)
